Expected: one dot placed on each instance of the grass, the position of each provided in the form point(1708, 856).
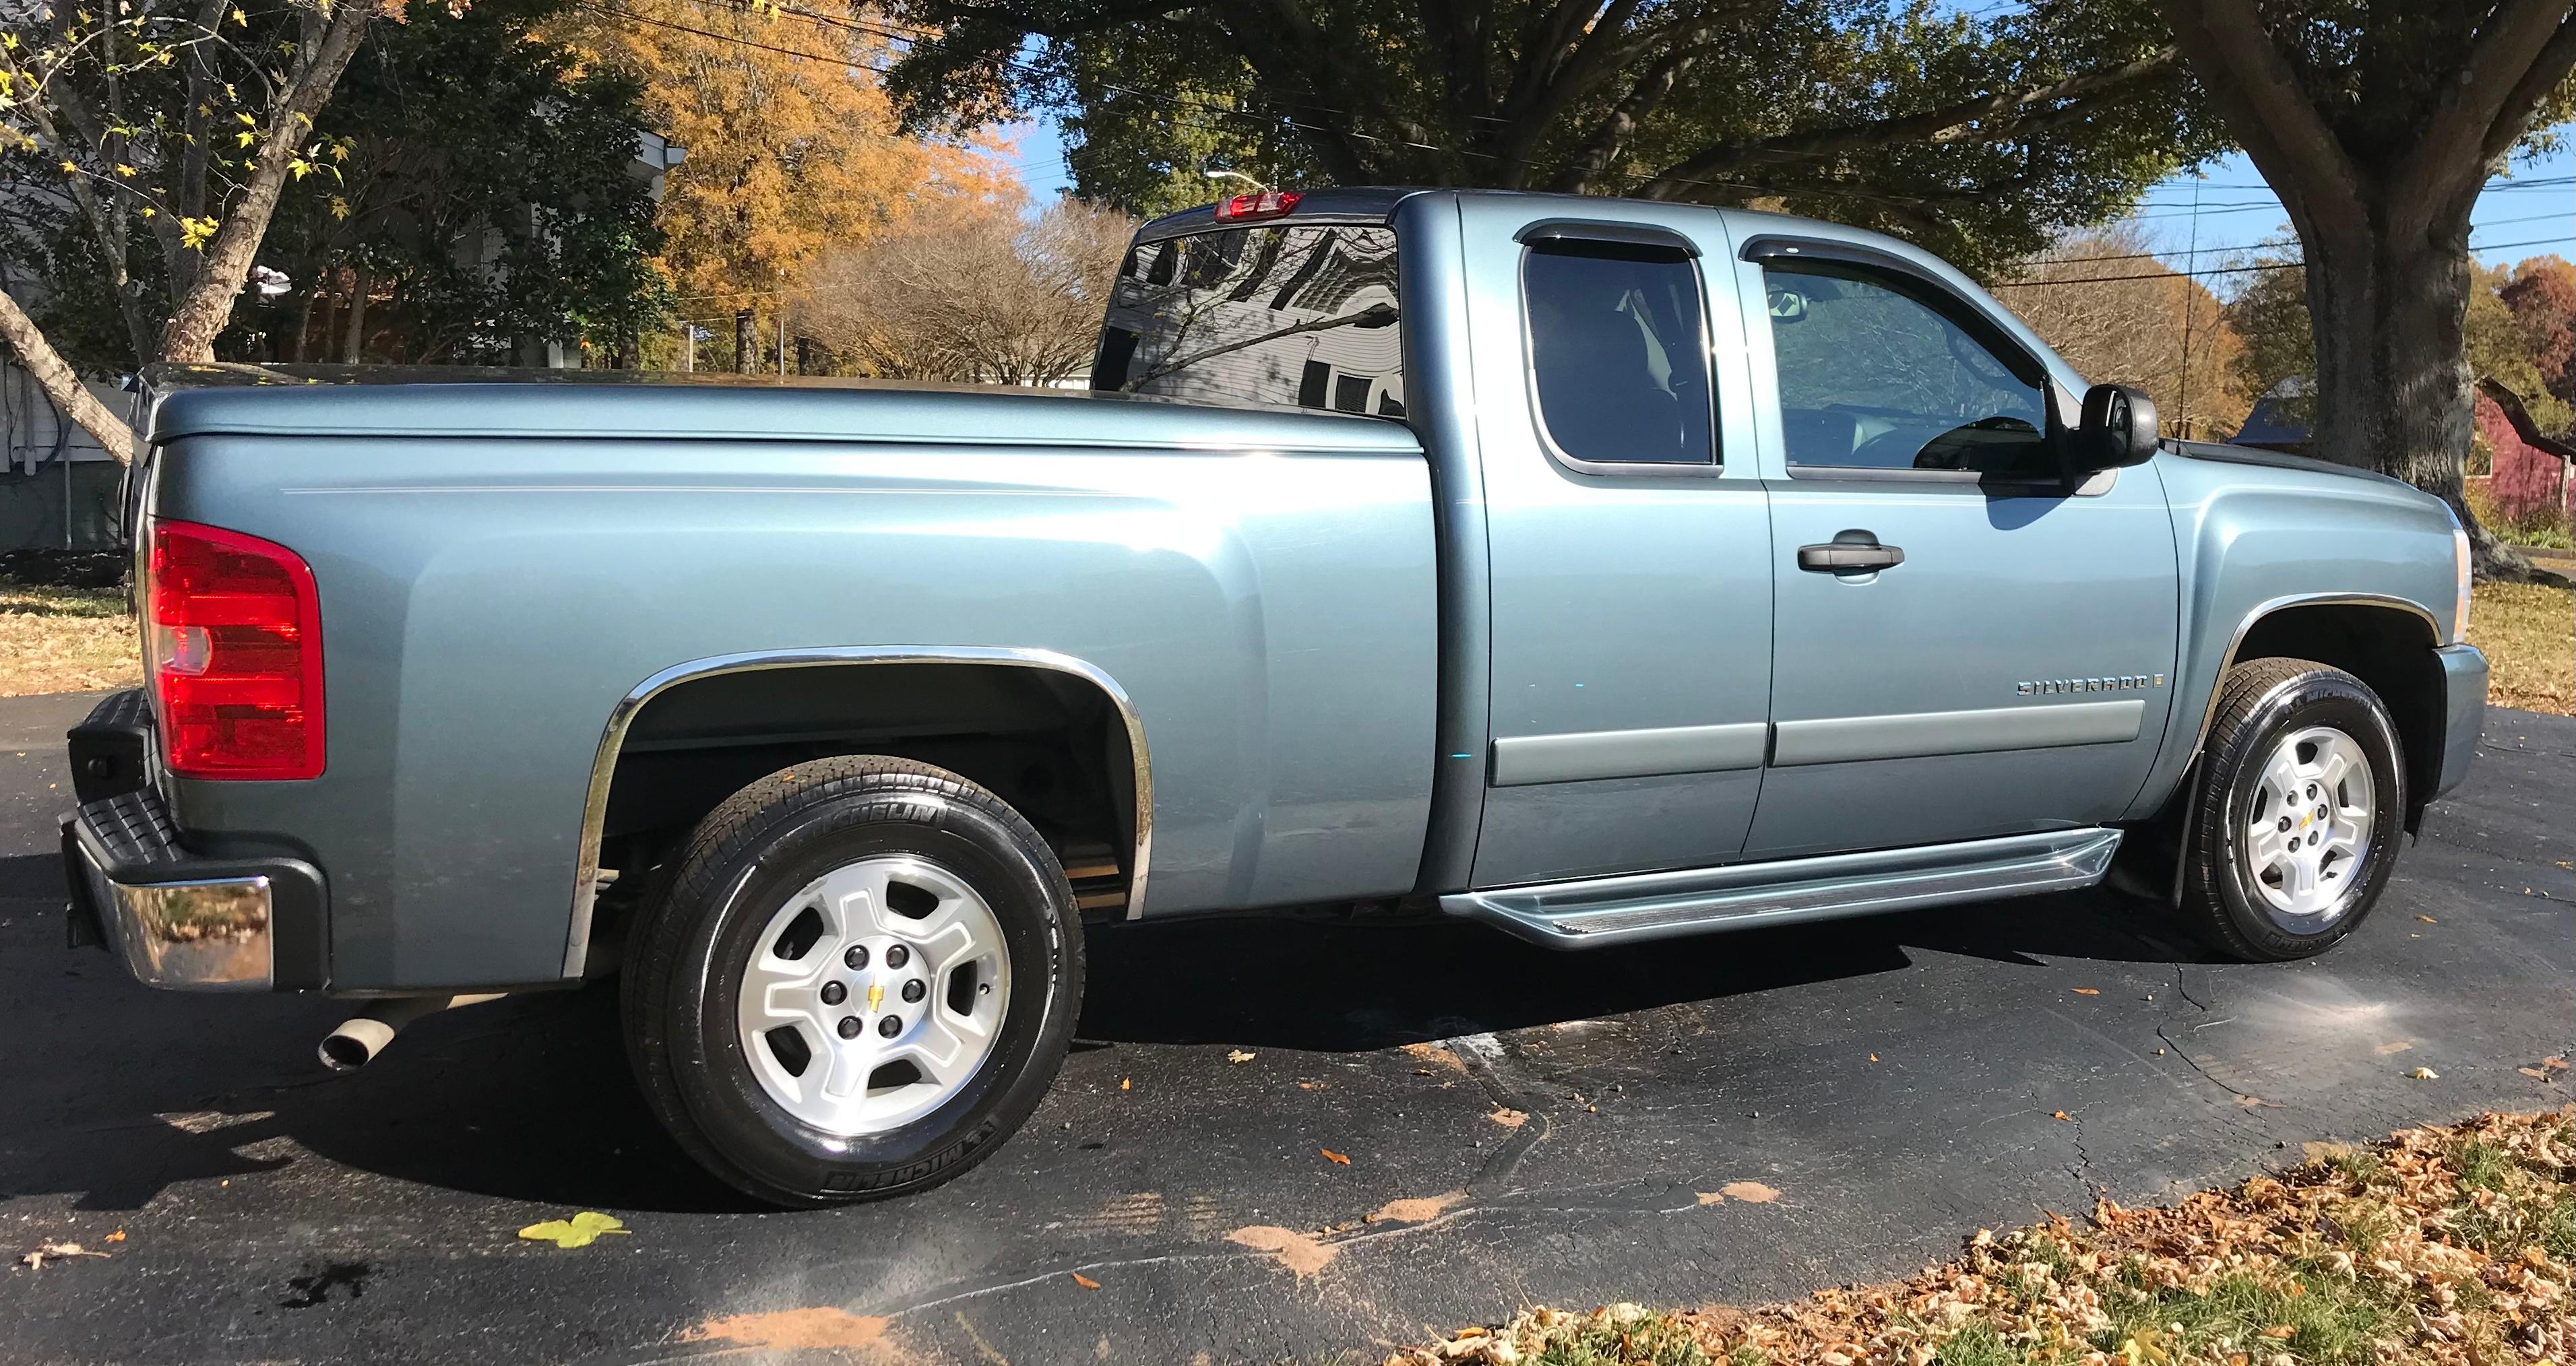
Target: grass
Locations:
point(2529, 634)
point(2447, 1246)
point(65, 640)
point(2544, 528)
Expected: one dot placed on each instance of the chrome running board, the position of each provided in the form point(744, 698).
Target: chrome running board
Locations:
point(1590, 912)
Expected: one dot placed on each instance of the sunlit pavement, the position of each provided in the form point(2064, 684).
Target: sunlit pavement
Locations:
point(1564, 1128)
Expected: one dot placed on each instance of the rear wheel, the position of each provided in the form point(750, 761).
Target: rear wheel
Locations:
point(862, 978)
point(2300, 806)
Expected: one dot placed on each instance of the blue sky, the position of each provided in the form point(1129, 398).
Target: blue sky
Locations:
point(2529, 212)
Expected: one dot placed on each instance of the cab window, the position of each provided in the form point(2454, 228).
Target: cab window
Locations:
point(1882, 372)
point(1618, 352)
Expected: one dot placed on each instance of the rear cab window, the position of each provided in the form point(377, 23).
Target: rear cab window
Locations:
point(1619, 355)
point(1273, 314)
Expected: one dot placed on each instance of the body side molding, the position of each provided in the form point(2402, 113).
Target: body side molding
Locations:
point(1655, 752)
point(1842, 739)
point(612, 740)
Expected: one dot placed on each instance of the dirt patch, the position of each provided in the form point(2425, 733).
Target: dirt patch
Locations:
point(1415, 1210)
point(794, 1330)
point(1296, 1251)
point(1436, 1055)
point(1508, 1117)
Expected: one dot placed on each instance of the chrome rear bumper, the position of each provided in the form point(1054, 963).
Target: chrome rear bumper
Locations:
point(178, 918)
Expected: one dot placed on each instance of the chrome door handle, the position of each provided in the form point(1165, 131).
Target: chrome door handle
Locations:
point(1849, 557)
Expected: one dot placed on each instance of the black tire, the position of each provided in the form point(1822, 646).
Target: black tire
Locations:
point(763, 844)
point(2259, 703)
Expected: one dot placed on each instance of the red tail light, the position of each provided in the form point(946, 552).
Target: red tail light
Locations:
point(1267, 204)
point(234, 648)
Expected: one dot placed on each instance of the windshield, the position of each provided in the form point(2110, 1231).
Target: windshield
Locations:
point(1286, 315)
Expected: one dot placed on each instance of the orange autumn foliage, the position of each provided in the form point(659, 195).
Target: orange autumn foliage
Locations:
point(792, 146)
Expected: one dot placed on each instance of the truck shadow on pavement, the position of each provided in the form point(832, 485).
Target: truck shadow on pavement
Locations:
point(126, 1092)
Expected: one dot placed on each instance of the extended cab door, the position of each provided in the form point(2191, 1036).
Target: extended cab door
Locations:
point(1627, 545)
point(1963, 647)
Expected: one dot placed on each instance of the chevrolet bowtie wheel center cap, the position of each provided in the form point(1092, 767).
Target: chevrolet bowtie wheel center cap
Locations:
point(873, 995)
point(2307, 826)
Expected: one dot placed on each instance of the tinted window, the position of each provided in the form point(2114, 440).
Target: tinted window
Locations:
point(1260, 315)
point(1881, 372)
point(1619, 352)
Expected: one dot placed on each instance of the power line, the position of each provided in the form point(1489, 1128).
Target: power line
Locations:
point(2241, 270)
point(2047, 260)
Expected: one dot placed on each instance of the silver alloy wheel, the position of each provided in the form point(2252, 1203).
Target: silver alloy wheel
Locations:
point(874, 994)
point(2307, 826)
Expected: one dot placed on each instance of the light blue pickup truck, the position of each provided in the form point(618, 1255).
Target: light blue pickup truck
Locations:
point(1593, 569)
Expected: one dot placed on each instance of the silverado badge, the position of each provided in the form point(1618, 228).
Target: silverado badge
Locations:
point(2121, 683)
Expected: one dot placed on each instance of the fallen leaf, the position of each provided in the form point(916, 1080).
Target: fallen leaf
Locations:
point(1508, 1117)
point(116, 1237)
point(2428, 920)
point(1310, 1086)
point(1085, 1281)
point(581, 1230)
point(1240, 1056)
point(56, 1252)
point(2557, 1064)
point(1750, 1192)
point(2086, 991)
point(1337, 1159)
point(2536, 1074)
point(1873, 1057)
point(2425, 1074)
point(2280, 1330)
point(2061, 1114)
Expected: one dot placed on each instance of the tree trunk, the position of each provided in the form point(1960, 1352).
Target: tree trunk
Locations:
point(350, 348)
point(206, 308)
point(746, 344)
point(54, 375)
point(2392, 389)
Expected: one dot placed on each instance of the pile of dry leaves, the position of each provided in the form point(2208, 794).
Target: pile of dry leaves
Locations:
point(2443, 1245)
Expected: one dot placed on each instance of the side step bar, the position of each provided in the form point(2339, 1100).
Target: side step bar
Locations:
point(1590, 912)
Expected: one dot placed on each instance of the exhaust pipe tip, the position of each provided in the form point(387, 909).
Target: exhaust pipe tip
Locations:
point(362, 1036)
point(355, 1043)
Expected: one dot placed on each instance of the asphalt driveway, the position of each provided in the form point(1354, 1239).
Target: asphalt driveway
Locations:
point(1732, 1118)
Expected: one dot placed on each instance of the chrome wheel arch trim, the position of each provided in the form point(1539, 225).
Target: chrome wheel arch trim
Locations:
point(612, 740)
point(2253, 617)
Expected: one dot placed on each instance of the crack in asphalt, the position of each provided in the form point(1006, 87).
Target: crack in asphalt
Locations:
point(1487, 1058)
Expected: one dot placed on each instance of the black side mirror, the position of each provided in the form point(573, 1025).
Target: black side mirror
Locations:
point(2118, 429)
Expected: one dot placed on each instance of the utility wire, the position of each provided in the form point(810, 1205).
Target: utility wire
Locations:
point(2238, 270)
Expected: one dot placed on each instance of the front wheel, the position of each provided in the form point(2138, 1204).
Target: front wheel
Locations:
point(2301, 801)
point(862, 978)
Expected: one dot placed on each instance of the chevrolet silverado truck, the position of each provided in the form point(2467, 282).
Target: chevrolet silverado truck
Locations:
point(1595, 570)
